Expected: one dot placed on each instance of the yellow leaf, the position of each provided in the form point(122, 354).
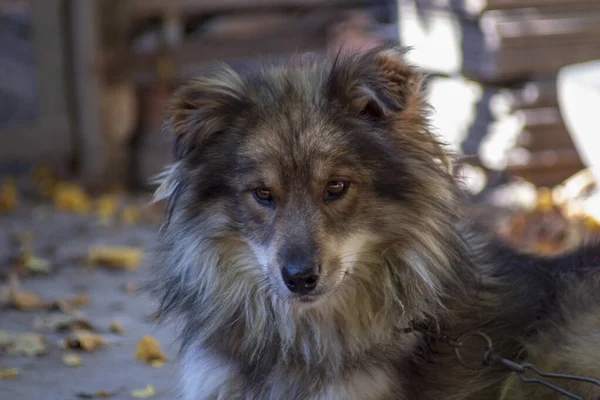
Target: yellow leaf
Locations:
point(106, 207)
point(36, 264)
point(148, 351)
point(27, 344)
point(9, 196)
point(116, 257)
point(84, 340)
point(116, 327)
point(22, 299)
point(71, 198)
point(8, 373)
point(145, 393)
point(72, 303)
point(71, 360)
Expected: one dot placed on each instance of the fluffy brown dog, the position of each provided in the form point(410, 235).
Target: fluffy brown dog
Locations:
point(313, 217)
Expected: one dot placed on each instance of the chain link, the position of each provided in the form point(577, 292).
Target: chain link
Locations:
point(489, 358)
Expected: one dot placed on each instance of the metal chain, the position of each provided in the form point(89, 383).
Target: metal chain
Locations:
point(489, 358)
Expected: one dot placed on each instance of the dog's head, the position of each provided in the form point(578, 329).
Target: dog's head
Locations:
point(310, 178)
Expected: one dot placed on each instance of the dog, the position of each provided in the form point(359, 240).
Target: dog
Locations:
point(317, 245)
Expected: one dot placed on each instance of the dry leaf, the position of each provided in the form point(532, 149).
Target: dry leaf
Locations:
point(71, 198)
point(27, 344)
point(148, 351)
point(98, 395)
point(35, 264)
point(70, 304)
point(22, 299)
point(84, 340)
point(9, 197)
point(144, 393)
point(106, 207)
point(116, 327)
point(62, 323)
point(71, 360)
point(128, 258)
point(8, 373)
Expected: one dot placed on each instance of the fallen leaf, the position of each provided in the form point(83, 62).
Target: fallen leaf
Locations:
point(157, 363)
point(148, 351)
point(98, 395)
point(116, 327)
point(71, 198)
point(8, 373)
point(9, 196)
point(23, 300)
point(36, 264)
point(106, 207)
point(27, 344)
point(119, 257)
point(85, 340)
point(62, 323)
point(71, 360)
point(70, 304)
point(145, 393)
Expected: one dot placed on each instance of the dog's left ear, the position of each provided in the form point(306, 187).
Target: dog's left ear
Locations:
point(378, 84)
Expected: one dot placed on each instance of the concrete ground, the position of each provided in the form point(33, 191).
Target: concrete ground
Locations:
point(64, 240)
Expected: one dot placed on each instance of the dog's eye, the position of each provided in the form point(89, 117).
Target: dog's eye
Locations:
point(263, 196)
point(336, 190)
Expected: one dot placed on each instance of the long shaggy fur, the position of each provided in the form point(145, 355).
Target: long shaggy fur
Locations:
point(398, 249)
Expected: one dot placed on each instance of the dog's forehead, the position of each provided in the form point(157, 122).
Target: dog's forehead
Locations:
point(296, 140)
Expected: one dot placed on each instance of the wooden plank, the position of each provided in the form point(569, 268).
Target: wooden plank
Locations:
point(474, 8)
point(534, 94)
point(548, 168)
point(478, 6)
point(150, 8)
point(189, 58)
point(531, 27)
point(91, 148)
point(447, 43)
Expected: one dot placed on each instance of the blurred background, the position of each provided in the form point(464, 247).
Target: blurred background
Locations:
point(515, 87)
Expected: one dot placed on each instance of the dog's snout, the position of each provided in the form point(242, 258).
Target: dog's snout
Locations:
point(300, 278)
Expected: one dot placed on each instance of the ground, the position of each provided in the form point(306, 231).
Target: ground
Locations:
point(65, 239)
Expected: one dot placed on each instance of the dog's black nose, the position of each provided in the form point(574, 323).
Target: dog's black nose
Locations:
point(300, 279)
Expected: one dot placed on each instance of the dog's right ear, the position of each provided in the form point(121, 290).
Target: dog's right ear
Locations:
point(201, 108)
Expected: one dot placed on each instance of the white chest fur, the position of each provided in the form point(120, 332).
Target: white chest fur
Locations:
point(206, 376)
